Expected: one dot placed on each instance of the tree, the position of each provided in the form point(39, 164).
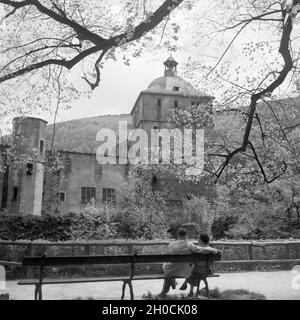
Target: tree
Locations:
point(76, 35)
point(141, 210)
point(43, 41)
point(261, 74)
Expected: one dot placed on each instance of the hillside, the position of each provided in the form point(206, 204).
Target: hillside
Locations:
point(80, 135)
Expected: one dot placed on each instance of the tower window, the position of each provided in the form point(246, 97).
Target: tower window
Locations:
point(175, 88)
point(159, 102)
point(126, 169)
point(98, 169)
point(29, 169)
point(15, 193)
point(42, 144)
point(68, 165)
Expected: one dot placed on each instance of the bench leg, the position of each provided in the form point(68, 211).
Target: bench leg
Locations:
point(38, 292)
point(130, 289)
point(206, 288)
point(198, 287)
point(123, 290)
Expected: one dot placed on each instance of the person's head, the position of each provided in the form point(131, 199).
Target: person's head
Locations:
point(181, 234)
point(204, 238)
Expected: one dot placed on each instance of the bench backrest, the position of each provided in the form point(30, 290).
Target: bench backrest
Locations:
point(122, 259)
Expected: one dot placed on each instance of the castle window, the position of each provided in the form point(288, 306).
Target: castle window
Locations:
point(175, 88)
point(42, 145)
point(154, 181)
point(68, 165)
point(98, 169)
point(15, 193)
point(175, 104)
point(158, 109)
point(109, 196)
point(87, 194)
point(126, 169)
point(61, 196)
point(29, 169)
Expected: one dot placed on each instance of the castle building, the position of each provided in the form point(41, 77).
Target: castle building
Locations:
point(28, 189)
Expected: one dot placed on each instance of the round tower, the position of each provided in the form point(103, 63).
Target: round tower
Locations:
point(26, 181)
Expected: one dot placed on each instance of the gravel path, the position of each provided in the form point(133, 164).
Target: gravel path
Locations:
point(274, 285)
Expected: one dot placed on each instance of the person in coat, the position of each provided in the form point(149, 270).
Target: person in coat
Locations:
point(173, 270)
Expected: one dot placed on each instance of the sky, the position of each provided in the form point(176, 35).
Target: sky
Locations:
point(121, 84)
point(119, 88)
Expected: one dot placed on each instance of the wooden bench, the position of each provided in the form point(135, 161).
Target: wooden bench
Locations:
point(51, 261)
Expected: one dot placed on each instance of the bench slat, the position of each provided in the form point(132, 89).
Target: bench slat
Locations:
point(90, 260)
point(99, 279)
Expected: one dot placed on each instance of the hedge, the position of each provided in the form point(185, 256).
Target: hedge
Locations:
point(54, 228)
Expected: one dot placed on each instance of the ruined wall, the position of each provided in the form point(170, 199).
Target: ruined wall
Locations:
point(80, 170)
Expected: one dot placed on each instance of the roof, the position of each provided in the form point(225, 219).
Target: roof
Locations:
point(173, 85)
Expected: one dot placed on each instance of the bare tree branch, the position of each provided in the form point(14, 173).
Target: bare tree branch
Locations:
point(284, 50)
point(98, 43)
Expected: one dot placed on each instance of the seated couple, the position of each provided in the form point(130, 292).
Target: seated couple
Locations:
point(192, 273)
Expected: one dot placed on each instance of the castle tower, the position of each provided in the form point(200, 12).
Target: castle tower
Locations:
point(154, 109)
point(165, 94)
point(170, 67)
point(27, 174)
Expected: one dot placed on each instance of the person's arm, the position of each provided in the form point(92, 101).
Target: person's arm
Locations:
point(203, 250)
point(169, 249)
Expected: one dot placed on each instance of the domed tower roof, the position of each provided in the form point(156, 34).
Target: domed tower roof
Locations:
point(170, 83)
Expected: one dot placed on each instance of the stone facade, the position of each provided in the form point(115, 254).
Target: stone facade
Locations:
point(81, 179)
point(31, 190)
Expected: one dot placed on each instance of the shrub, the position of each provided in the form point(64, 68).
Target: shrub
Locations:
point(142, 223)
point(140, 210)
point(221, 226)
point(55, 228)
point(260, 221)
point(198, 211)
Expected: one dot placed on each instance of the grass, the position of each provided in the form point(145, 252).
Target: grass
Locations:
point(215, 294)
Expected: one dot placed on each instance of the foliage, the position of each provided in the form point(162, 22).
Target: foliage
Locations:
point(221, 225)
point(46, 44)
point(54, 228)
point(261, 221)
point(141, 210)
point(198, 210)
